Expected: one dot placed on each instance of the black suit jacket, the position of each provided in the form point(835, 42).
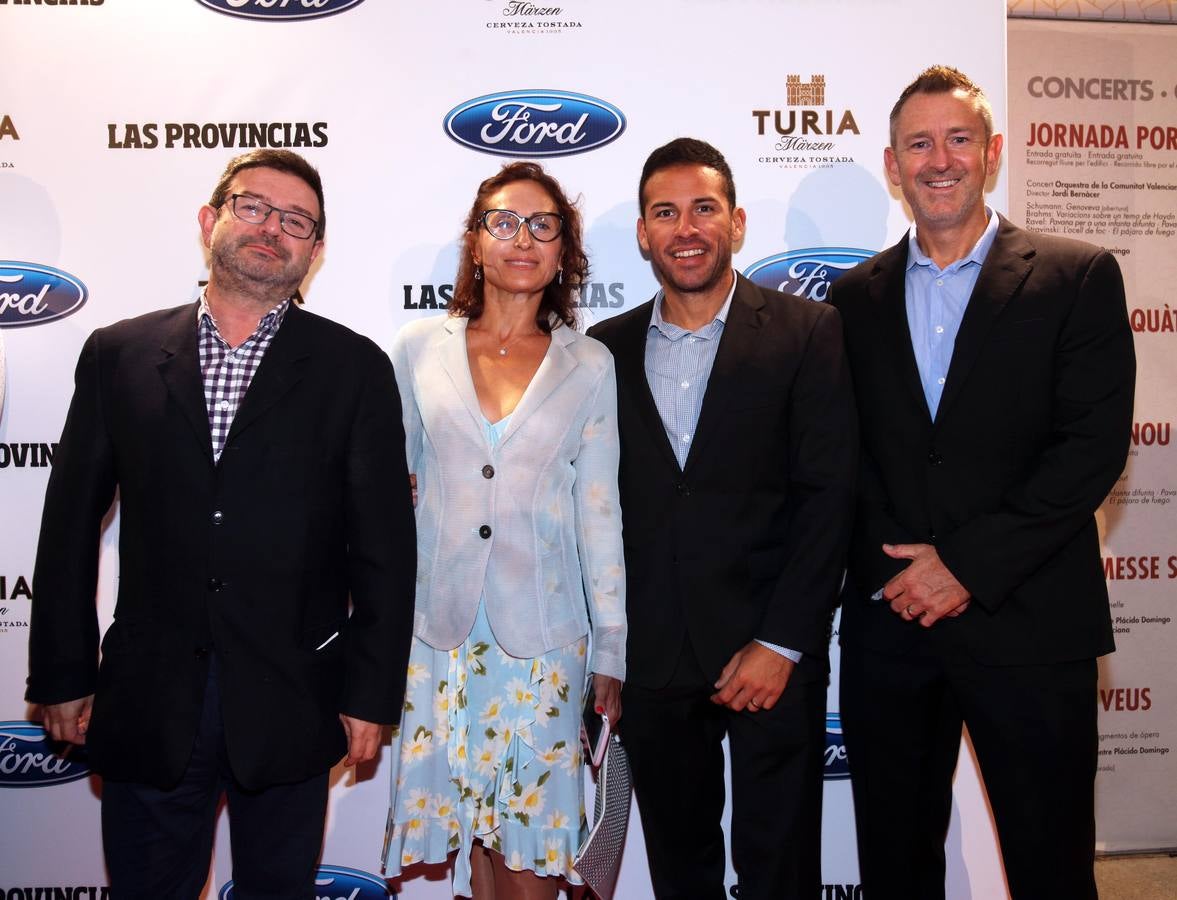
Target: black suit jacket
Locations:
point(254, 556)
point(1031, 433)
point(746, 541)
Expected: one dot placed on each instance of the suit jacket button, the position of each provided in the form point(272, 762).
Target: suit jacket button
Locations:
point(215, 584)
point(484, 532)
point(683, 489)
point(488, 471)
point(935, 458)
point(200, 652)
point(218, 517)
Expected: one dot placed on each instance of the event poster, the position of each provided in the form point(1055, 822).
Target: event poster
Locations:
point(1093, 154)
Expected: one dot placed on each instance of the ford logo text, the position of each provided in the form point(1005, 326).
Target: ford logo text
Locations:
point(534, 123)
point(27, 759)
point(31, 294)
point(807, 273)
point(280, 9)
point(836, 766)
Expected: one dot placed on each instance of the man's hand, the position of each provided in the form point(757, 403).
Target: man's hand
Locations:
point(753, 679)
point(413, 487)
point(363, 739)
point(925, 590)
point(607, 693)
point(68, 721)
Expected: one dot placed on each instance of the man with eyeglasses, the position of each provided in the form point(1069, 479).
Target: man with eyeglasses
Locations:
point(258, 455)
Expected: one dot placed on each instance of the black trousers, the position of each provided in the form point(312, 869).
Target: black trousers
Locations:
point(1034, 732)
point(673, 736)
point(159, 843)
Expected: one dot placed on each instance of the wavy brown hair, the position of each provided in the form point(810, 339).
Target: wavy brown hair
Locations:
point(560, 299)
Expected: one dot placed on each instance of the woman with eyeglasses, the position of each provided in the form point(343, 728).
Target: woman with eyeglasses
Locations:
point(510, 422)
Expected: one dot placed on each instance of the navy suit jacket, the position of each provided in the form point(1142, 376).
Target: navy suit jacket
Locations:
point(747, 540)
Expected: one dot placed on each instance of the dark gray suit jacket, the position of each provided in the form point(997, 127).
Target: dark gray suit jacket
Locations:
point(255, 556)
point(1031, 433)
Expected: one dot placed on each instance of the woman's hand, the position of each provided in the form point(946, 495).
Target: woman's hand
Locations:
point(413, 487)
point(608, 697)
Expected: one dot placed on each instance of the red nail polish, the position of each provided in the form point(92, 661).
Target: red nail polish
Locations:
point(600, 709)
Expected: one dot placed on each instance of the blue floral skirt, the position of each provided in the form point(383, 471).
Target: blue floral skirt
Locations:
point(489, 749)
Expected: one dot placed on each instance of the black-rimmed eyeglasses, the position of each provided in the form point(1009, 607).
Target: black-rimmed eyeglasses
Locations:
point(255, 212)
point(504, 224)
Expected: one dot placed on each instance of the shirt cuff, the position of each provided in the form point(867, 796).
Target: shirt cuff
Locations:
point(794, 655)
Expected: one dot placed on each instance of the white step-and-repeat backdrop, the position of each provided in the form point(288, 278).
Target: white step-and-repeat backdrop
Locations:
point(116, 117)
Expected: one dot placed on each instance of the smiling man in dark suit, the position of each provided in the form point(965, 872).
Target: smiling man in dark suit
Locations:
point(258, 455)
point(994, 374)
point(737, 466)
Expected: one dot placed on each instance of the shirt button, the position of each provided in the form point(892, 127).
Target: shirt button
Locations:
point(939, 381)
point(484, 532)
point(488, 471)
point(685, 438)
point(223, 405)
point(218, 517)
point(939, 329)
point(685, 385)
point(940, 282)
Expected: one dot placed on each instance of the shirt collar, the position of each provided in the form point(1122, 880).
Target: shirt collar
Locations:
point(917, 257)
point(267, 324)
point(672, 331)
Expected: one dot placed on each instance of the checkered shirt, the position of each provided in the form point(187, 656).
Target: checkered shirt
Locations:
point(227, 371)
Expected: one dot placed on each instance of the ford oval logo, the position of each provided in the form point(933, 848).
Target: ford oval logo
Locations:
point(806, 273)
point(337, 883)
point(534, 123)
point(31, 294)
point(836, 767)
point(280, 9)
point(28, 760)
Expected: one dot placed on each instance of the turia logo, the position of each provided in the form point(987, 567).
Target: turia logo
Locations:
point(534, 123)
point(32, 294)
point(28, 760)
point(837, 768)
point(806, 273)
point(280, 9)
point(337, 883)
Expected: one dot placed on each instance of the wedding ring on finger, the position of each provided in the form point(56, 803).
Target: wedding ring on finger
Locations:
point(910, 612)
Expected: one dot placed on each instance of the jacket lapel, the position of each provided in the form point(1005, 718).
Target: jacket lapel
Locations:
point(745, 317)
point(455, 362)
point(180, 371)
point(629, 357)
point(280, 370)
point(888, 292)
point(556, 365)
point(1005, 269)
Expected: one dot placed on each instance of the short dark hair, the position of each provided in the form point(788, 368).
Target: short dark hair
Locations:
point(284, 161)
point(560, 295)
point(686, 151)
point(944, 80)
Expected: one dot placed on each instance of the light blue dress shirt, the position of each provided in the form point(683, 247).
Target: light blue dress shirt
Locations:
point(678, 365)
point(936, 301)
